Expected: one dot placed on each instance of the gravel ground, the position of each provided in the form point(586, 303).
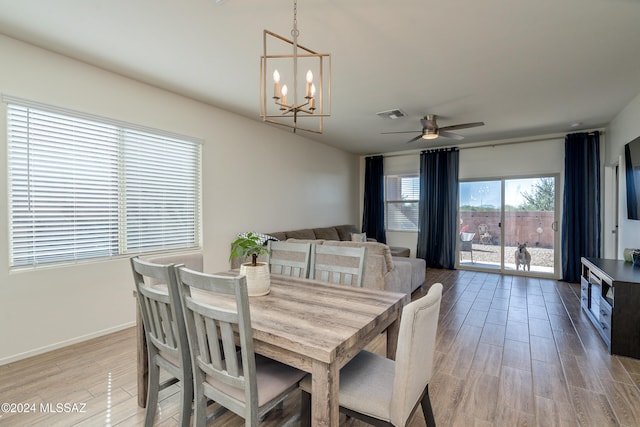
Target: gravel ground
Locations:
point(541, 257)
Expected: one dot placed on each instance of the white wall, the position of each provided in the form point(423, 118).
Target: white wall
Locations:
point(622, 129)
point(255, 177)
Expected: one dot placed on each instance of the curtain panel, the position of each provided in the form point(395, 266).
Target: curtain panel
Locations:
point(438, 207)
point(373, 212)
point(581, 205)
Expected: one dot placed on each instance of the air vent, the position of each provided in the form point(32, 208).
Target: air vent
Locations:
point(392, 114)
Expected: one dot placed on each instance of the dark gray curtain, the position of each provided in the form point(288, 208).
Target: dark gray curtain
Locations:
point(437, 213)
point(581, 207)
point(632, 191)
point(373, 213)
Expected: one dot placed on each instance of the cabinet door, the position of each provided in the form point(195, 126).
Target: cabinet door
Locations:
point(584, 293)
point(605, 319)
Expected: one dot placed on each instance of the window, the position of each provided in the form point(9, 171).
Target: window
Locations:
point(402, 193)
point(83, 187)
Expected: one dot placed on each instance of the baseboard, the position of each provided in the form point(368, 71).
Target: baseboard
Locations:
point(48, 348)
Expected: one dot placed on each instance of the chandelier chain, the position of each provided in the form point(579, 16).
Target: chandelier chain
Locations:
point(294, 32)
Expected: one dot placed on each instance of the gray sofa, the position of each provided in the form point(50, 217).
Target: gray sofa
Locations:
point(382, 270)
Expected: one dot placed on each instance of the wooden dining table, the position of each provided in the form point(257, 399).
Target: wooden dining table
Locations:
point(316, 327)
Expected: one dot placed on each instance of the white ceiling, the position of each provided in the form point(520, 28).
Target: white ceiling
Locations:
point(526, 68)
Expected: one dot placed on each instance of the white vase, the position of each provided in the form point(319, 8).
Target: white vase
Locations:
point(258, 278)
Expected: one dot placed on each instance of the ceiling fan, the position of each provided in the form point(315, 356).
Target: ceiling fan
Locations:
point(430, 129)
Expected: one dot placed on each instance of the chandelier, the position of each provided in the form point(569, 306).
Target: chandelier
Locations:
point(286, 105)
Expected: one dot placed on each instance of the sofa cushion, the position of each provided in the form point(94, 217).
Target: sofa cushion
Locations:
point(305, 233)
point(280, 235)
point(326, 233)
point(344, 231)
point(373, 248)
point(418, 270)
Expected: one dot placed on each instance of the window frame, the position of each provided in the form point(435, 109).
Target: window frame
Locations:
point(389, 202)
point(131, 138)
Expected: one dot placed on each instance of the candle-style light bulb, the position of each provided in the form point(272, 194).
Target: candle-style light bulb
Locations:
point(308, 94)
point(285, 90)
point(312, 100)
point(276, 85)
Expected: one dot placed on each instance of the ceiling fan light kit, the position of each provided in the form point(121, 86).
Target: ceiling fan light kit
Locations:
point(284, 106)
point(429, 134)
point(431, 130)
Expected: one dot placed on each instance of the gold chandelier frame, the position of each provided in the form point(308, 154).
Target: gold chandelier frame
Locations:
point(309, 107)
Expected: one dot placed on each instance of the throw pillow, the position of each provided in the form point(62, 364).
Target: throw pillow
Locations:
point(358, 237)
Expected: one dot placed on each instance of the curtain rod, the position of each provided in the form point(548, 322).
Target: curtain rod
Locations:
point(483, 145)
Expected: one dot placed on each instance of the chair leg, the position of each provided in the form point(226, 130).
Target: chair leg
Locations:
point(427, 410)
point(152, 392)
point(305, 409)
point(200, 405)
point(186, 392)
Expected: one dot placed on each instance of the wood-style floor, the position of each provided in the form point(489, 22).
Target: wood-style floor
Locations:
point(511, 351)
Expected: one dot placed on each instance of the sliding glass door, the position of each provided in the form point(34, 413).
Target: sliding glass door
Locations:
point(530, 225)
point(480, 217)
point(509, 225)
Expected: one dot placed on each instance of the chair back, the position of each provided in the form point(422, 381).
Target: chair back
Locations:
point(340, 265)
point(221, 306)
point(192, 260)
point(414, 356)
point(289, 259)
point(161, 312)
point(466, 240)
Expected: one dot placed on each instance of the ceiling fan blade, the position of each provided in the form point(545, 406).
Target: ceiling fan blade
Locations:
point(462, 126)
point(404, 131)
point(450, 135)
point(414, 139)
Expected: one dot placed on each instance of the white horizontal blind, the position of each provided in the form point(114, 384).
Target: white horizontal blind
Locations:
point(162, 192)
point(402, 193)
point(82, 188)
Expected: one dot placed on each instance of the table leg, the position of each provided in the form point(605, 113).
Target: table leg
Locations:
point(143, 367)
point(392, 338)
point(325, 385)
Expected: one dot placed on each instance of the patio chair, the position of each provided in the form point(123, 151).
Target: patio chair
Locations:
point(483, 233)
point(466, 244)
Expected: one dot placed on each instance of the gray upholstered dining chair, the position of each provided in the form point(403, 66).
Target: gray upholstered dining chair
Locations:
point(289, 258)
point(166, 336)
point(229, 373)
point(341, 265)
point(383, 392)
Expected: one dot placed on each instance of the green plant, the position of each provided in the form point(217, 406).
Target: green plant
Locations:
point(246, 245)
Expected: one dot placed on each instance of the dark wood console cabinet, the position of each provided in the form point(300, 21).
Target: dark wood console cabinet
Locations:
point(610, 296)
